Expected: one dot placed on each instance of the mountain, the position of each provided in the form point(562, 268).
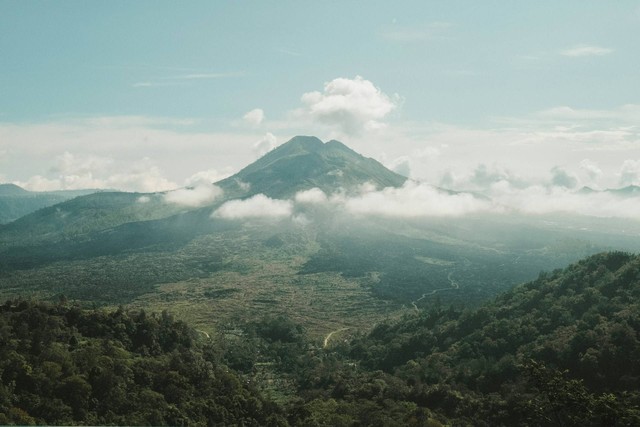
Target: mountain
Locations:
point(16, 202)
point(12, 190)
point(306, 162)
point(628, 191)
point(115, 248)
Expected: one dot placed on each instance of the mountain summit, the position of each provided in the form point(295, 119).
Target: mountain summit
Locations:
point(305, 162)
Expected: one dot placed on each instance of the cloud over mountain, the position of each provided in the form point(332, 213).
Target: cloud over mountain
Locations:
point(201, 194)
point(349, 105)
point(258, 206)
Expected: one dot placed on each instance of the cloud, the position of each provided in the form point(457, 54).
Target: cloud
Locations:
point(72, 172)
point(312, 196)
point(144, 199)
point(560, 178)
point(591, 169)
point(207, 176)
point(200, 195)
point(254, 117)
point(539, 200)
point(349, 105)
point(104, 151)
point(630, 172)
point(185, 79)
point(415, 200)
point(585, 50)
point(482, 178)
point(402, 166)
point(429, 32)
point(267, 143)
point(258, 206)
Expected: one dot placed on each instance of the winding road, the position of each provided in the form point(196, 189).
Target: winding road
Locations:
point(452, 285)
point(330, 334)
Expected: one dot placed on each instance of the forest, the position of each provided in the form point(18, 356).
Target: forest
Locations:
point(561, 350)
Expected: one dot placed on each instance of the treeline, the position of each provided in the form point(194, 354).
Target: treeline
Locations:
point(60, 364)
point(563, 350)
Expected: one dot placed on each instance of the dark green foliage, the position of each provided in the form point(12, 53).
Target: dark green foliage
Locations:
point(63, 365)
point(562, 350)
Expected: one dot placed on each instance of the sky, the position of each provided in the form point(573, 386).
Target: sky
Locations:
point(155, 95)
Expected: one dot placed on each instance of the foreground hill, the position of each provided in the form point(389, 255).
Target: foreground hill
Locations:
point(62, 365)
point(563, 350)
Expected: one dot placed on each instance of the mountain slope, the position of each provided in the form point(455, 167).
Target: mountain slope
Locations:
point(305, 162)
point(564, 348)
point(15, 202)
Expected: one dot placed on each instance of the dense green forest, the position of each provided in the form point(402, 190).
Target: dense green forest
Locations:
point(561, 350)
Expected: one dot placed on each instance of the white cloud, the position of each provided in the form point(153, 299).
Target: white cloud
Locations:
point(267, 143)
point(482, 178)
point(311, 196)
point(254, 117)
point(585, 50)
point(561, 178)
point(415, 200)
point(103, 151)
point(258, 206)
point(544, 200)
point(144, 176)
point(144, 199)
point(630, 172)
point(76, 172)
point(402, 166)
point(202, 194)
point(348, 105)
point(591, 169)
point(208, 176)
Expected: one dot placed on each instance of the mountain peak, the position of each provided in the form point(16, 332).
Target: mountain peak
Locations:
point(306, 162)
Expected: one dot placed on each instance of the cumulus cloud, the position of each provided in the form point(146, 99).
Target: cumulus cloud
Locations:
point(267, 143)
point(202, 194)
point(312, 196)
point(254, 117)
point(586, 50)
point(258, 206)
point(349, 105)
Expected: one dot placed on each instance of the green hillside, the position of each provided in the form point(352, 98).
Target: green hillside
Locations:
point(562, 350)
point(16, 202)
point(60, 365)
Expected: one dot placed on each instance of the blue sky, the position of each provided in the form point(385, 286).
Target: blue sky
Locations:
point(152, 95)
